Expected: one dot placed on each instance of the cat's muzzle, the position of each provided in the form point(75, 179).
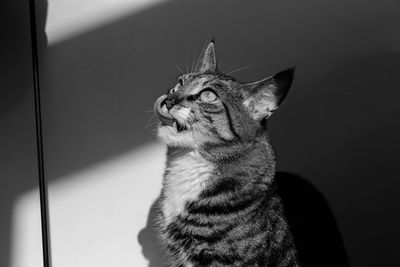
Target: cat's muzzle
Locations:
point(163, 114)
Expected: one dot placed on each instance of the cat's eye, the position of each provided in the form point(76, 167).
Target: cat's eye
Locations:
point(208, 96)
point(180, 81)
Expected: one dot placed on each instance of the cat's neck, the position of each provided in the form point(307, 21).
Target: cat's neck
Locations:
point(191, 173)
point(186, 175)
point(251, 154)
point(251, 165)
point(255, 156)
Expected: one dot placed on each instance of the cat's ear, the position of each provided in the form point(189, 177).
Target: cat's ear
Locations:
point(207, 61)
point(262, 98)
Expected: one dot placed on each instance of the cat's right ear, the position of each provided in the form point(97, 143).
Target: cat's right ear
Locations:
point(207, 61)
point(264, 97)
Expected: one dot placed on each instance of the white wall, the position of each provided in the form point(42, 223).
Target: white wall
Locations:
point(96, 214)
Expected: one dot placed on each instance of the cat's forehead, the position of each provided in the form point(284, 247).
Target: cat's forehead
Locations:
point(198, 80)
point(193, 83)
point(195, 79)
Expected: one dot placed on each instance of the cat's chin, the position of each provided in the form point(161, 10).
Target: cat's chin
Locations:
point(174, 136)
point(187, 138)
point(178, 127)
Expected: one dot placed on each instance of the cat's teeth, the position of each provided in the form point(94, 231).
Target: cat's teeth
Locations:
point(179, 127)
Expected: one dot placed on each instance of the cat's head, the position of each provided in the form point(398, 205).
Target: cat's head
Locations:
point(208, 107)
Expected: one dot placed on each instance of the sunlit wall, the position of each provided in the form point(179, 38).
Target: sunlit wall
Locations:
point(97, 211)
point(96, 214)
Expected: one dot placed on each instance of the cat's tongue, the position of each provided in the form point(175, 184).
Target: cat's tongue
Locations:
point(162, 112)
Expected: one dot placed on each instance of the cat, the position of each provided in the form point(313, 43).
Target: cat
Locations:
point(219, 203)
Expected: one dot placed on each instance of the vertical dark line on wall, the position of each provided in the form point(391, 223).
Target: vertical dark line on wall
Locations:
point(39, 139)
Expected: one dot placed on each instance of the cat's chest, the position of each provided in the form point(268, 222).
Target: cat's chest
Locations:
point(186, 177)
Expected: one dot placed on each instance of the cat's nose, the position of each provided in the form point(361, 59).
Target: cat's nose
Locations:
point(169, 103)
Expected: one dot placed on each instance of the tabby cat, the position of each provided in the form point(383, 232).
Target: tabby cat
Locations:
point(219, 204)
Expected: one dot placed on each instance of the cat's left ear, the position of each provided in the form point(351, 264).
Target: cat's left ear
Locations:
point(207, 61)
point(262, 98)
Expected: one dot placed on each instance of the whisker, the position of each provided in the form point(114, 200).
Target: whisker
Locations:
point(176, 65)
point(243, 68)
point(150, 123)
point(193, 58)
point(230, 68)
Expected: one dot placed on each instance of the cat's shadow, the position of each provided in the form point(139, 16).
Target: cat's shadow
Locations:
point(313, 225)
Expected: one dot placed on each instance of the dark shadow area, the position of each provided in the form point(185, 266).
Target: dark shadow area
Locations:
point(18, 163)
point(311, 220)
point(149, 239)
point(312, 223)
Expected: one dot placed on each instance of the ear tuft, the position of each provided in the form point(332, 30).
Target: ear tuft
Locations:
point(283, 80)
point(265, 96)
point(208, 61)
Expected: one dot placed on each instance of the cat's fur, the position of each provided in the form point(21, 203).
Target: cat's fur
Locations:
point(219, 205)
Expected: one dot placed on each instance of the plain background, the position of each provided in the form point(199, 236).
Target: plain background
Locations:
point(338, 128)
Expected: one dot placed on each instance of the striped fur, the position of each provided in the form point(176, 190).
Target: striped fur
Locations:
point(219, 205)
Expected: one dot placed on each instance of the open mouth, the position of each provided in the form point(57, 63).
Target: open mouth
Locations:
point(163, 115)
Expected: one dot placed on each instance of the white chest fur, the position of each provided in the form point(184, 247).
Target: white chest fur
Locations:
point(185, 179)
